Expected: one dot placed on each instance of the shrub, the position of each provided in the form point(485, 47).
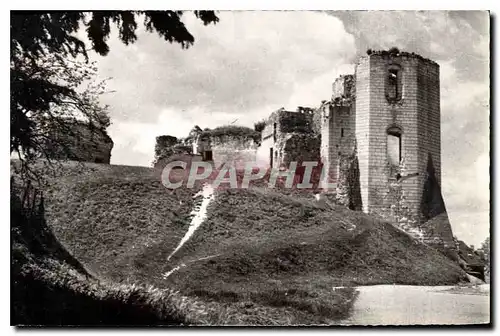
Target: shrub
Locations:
point(259, 126)
point(233, 130)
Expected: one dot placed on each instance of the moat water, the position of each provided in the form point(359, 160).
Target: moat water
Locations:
point(420, 305)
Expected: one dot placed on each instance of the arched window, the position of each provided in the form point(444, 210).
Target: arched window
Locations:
point(393, 87)
point(394, 136)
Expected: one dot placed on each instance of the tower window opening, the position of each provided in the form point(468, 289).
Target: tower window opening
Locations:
point(393, 84)
point(341, 132)
point(274, 132)
point(208, 156)
point(393, 76)
point(394, 146)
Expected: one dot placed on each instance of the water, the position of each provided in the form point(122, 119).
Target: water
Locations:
point(407, 305)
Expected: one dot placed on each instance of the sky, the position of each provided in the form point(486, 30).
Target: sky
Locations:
point(252, 63)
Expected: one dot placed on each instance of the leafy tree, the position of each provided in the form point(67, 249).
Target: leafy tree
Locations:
point(80, 103)
point(259, 126)
point(44, 73)
point(484, 251)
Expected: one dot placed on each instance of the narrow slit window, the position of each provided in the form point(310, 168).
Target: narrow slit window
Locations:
point(393, 82)
point(341, 132)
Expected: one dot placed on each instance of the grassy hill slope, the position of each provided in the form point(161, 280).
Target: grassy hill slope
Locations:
point(50, 287)
point(257, 248)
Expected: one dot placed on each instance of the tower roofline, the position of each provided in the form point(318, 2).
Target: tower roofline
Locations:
point(394, 52)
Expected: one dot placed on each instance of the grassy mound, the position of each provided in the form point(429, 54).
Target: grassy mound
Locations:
point(268, 257)
point(263, 234)
point(49, 287)
point(108, 217)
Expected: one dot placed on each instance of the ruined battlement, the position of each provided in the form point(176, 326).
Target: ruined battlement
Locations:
point(378, 138)
point(380, 141)
point(283, 121)
point(225, 144)
point(343, 87)
point(79, 141)
point(395, 53)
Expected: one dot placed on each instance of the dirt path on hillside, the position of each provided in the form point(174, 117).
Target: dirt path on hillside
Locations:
point(199, 214)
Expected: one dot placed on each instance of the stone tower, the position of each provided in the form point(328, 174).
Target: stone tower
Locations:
point(397, 129)
point(388, 118)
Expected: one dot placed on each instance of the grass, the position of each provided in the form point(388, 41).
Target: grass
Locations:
point(274, 258)
point(51, 293)
point(263, 232)
point(50, 287)
point(233, 131)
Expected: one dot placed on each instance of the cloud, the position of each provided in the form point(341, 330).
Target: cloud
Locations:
point(248, 60)
point(438, 35)
point(238, 71)
point(459, 42)
point(465, 143)
point(252, 63)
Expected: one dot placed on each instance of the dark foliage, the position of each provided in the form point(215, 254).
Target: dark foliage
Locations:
point(259, 126)
point(232, 131)
point(50, 36)
point(394, 51)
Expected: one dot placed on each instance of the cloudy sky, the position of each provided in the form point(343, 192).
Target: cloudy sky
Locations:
point(252, 63)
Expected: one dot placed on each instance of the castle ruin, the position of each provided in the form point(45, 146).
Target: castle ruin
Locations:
point(77, 140)
point(236, 145)
point(380, 142)
point(378, 138)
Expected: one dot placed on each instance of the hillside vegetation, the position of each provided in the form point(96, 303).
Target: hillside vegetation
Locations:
point(269, 256)
point(50, 287)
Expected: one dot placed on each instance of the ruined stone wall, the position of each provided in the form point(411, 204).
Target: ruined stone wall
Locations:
point(343, 87)
point(300, 147)
point(317, 118)
point(294, 122)
point(279, 126)
point(238, 150)
point(328, 150)
point(348, 191)
point(201, 143)
point(168, 146)
point(338, 132)
point(79, 141)
point(264, 151)
point(267, 143)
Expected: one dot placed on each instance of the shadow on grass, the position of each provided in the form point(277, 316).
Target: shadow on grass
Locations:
point(51, 288)
point(296, 306)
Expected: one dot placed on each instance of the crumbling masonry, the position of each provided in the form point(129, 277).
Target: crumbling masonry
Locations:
point(380, 142)
point(377, 138)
